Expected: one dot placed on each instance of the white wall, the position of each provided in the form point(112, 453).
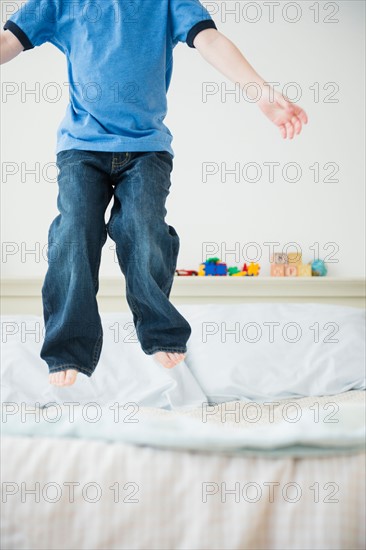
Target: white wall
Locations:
point(228, 215)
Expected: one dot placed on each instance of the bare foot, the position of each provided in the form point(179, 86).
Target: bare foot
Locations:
point(169, 360)
point(63, 378)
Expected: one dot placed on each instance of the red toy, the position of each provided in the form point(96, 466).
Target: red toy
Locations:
point(186, 272)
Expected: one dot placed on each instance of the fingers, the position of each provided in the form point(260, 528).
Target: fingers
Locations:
point(283, 131)
point(297, 111)
point(287, 130)
point(303, 117)
point(294, 126)
point(297, 124)
point(293, 120)
point(290, 130)
point(287, 116)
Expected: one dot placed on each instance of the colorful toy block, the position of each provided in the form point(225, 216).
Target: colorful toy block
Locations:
point(304, 270)
point(294, 258)
point(282, 265)
point(277, 270)
point(201, 270)
point(279, 258)
point(233, 270)
point(212, 267)
point(253, 269)
point(215, 269)
point(289, 265)
point(290, 270)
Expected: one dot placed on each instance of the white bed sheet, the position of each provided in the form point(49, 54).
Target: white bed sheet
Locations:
point(124, 374)
point(296, 427)
point(327, 358)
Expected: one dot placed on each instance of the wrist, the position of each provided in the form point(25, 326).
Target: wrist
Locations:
point(267, 96)
point(259, 92)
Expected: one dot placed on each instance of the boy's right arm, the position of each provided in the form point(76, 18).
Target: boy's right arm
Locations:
point(10, 46)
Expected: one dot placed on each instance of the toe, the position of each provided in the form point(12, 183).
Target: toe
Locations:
point(167, 360)
point(61, 378)
point(179, 357)
point(70, 376)
point(53, 378)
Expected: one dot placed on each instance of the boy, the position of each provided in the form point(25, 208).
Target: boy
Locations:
point(112, 142)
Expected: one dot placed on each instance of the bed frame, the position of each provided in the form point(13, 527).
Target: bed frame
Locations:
point(24, 295)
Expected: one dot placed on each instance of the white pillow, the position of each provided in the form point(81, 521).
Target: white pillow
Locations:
point(317, 349)
point(124, 374)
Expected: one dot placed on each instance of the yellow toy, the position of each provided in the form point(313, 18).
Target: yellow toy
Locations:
point(201, 270)
point(253, 269)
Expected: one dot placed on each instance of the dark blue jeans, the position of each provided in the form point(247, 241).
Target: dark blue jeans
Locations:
point(146, 246)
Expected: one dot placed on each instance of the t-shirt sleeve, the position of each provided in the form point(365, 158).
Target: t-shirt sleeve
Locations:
point(188, 18)
point(34, 23)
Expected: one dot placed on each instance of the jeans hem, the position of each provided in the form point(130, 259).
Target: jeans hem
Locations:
point(150, 351)
point(66, 367)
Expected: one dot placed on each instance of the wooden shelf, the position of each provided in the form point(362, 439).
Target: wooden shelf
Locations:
point(24, 295)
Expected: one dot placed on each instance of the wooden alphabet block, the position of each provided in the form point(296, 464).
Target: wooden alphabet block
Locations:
point(304, 270)
point(294, 258)
point(290, 270)
point(277, 270)
point(279, 258)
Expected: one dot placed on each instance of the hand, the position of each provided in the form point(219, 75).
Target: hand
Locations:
point(284, 114)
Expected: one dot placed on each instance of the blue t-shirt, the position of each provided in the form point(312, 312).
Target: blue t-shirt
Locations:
point(119, 60)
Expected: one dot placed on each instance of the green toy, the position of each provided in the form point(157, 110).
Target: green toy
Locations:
point(212, 260)
point(232, 270)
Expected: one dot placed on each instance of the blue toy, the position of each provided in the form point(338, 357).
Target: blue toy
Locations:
point(318, 268)
point(213, 267)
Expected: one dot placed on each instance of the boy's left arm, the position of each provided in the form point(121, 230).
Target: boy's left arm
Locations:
point(222, 54)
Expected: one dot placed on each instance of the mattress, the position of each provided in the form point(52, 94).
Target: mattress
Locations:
point(62, 491)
